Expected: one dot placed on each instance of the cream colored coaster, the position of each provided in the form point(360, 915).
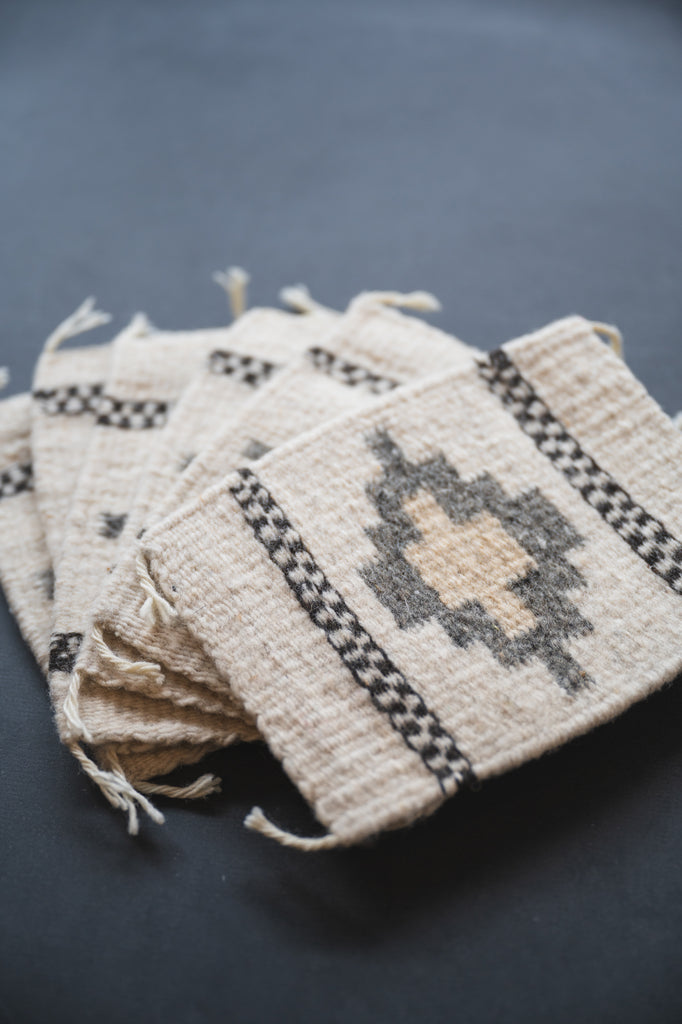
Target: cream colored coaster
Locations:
point(255, 350)
point(468, 574)
point(25, 567)
point(365, 354)
point(147, 376)
point(67, 385)
point(163, 733)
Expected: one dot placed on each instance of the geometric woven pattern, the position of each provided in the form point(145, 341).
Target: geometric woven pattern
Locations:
point(646, 535)
point(64, 649)
point(349, 373)
point(15, 479)
point(70, 400)
point(131, 415)
point(111, 524)
point(244, 369)
point(433, 522)
point(368, 664)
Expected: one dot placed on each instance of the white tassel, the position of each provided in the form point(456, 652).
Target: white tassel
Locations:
point(71, 708)
point(234, 280)
point(298, 298)
point(155, 608)
point(117, 789)
point(257, 821)
point(85, 318)
point(612, 335)
point(147, 671)
point(205, 785)
point(423, 302)
point(139, 326)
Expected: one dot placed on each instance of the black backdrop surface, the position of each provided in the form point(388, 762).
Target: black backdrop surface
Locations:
point(523, 160)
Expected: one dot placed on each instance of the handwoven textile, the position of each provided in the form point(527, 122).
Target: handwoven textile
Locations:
point(471, 572)
point(365, 354)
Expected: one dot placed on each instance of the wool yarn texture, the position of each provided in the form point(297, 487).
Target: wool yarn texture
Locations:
point(147, 375)
point(147, 741)
point(27, 578)
point(25, 567)
point(461, 577)
point(365, 354)
point(67, 386)
point(255, 350)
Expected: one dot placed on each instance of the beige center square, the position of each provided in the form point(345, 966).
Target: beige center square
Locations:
point(472, 561)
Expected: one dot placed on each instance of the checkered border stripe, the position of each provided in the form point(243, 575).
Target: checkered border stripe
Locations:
point(646, 535)
point(16, 478)
point(71, 400)
point(64, 648)
point(370, 666)
point(131, 415)
point(244, 369)
point(349, 373)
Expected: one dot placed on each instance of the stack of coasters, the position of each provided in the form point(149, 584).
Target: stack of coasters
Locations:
point(404, 564)
point(475, 570)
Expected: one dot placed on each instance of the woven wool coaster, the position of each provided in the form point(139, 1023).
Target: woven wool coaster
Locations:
point(461, 578)
point(27, 580)
point(255, 350)
point(147, 375)
point(67, 385)
point(25, 567)
point(367, 353)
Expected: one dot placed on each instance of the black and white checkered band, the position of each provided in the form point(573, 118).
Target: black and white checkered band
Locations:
point(370, 666)
point(64, 648)
point(646, 535)
point(71, 400)
point(131, 415)
point(244, 369)
point(16, 478)
point(349, 373)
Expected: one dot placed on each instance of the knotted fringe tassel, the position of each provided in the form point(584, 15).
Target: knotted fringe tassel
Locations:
point(117, 789)
point(205, 785)
point(257, 821)
point(146, 671)
point(298, 298)
point(4, 377)
point(612, 335)
point(234, 280)
point(140, 325)
point(424, 302)
point(155, 608)
point(85, 318)
point(71, 708)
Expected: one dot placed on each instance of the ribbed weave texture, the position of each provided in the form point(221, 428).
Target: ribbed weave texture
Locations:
point(466, 575)
point(363, 355)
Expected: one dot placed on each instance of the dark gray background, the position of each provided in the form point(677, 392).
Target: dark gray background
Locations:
point(522, 160)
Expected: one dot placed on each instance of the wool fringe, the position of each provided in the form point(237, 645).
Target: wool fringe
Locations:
point(205, 785)
point(234, 281)
point(117, 789)
point(298, 298)
point(423, 302)
point(612, 335)
point(71, 708)
point(85, 318)
point(257, 821)
point(155, 608)
point(147, 671)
